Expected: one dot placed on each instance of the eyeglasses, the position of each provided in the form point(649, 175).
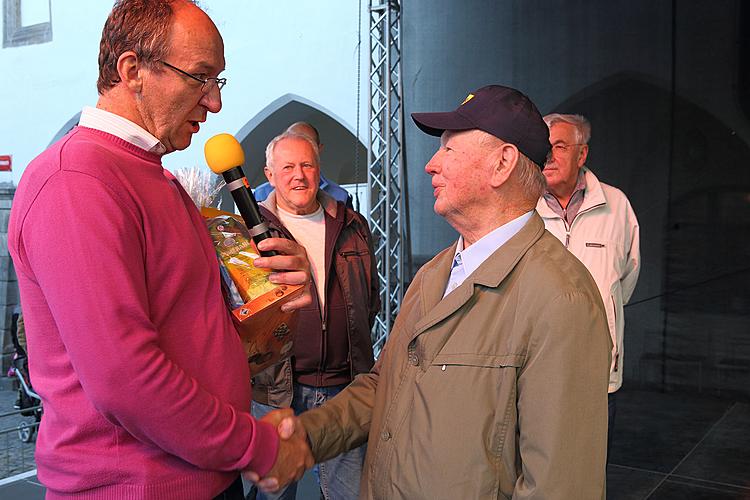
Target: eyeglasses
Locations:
point(207, 83)
point(561, 148)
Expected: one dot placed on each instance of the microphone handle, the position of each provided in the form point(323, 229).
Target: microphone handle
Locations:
point(248, 207)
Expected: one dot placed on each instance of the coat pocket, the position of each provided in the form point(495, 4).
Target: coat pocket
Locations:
point(469, 400)
point(479, 360)
point(353, 253)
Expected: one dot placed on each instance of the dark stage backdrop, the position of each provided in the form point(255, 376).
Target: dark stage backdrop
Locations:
point(666, 86)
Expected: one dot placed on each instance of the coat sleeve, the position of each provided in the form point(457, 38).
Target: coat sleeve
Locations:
point(633, 258)
point(343, 423)
point(562, 402)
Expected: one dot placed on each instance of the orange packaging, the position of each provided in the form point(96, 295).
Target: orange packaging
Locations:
point(265, 330)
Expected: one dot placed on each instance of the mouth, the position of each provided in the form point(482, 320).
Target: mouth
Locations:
point(195, 125)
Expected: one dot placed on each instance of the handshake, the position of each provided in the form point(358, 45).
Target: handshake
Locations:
point(294, 456)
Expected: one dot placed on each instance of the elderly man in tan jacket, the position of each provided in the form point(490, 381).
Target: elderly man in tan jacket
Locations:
point(493, 383)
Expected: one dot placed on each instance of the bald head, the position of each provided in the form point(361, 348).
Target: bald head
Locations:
point(304, 128)
point(141, 26)
point(159, 68)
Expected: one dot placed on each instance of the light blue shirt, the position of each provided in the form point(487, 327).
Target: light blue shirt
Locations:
point(467, 261)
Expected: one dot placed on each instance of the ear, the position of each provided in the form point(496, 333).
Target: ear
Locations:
point(504, 161)
point(269, 175)
point(129, 68)
point(583, 153)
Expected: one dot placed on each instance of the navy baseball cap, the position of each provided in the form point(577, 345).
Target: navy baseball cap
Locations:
point(500, 111)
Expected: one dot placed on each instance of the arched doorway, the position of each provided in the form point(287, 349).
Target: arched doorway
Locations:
point(343, 159)
point(66, 128)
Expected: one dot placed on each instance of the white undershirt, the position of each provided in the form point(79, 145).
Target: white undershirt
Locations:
point(121, 127)
point(310, 232)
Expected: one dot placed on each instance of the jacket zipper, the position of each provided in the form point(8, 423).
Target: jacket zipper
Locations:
point(323, 315)
point(323, 334)
point(565, 221)
point(568, 228)
point(327, 267)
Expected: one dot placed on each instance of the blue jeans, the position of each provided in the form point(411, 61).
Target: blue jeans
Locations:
point(339, 477)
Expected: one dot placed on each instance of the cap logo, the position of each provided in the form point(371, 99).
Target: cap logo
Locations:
point(468, 98)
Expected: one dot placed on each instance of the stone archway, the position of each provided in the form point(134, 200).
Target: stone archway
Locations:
point(338, 158)
point(343, 159)
point(66, 128)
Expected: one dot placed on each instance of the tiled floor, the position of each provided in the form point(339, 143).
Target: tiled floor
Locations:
point(666, 446)
point(679, 446)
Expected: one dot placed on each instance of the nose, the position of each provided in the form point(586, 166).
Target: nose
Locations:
point(549, 158)
point(432, 166)
point(297, 172)
point(212, 100)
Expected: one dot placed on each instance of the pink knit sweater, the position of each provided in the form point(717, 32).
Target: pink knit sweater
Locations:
point(144, 382)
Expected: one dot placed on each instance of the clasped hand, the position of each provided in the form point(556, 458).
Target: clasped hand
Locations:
point(294, 456)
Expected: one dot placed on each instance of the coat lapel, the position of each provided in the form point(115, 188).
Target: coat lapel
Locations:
point(490, 274)
point(432, 287)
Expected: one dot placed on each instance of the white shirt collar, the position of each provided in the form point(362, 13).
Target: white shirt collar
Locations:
point(123, 128)
point(476, 254)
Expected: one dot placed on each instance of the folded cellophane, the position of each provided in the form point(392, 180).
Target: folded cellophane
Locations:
point(255, 302)
point(236, 251)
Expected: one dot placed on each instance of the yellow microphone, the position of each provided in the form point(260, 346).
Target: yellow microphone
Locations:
point(225, 156)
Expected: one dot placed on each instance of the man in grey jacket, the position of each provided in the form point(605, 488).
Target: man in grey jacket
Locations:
point(597, 224)
point(493, 382)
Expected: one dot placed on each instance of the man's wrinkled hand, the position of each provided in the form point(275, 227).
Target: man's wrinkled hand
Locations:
point(294, 456)
point(290, 267)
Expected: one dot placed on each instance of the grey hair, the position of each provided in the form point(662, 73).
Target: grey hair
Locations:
point(582, 125)
point(529, 174)
point(530, 177)
point(291, 135)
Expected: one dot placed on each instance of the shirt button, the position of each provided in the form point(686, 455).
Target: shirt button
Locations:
point(385, 435)
point(414, 360)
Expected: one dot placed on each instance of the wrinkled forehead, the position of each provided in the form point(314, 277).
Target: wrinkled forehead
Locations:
point(294, 148)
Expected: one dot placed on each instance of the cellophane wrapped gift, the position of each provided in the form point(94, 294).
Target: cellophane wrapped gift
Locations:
point(255, 302)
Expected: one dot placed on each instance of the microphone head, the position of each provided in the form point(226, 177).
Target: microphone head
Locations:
point(223, 152)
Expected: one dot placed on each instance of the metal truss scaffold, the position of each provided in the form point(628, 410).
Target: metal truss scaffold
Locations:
point(385, 163)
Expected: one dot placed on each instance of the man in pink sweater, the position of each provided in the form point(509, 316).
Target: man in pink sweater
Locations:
point(143, 378)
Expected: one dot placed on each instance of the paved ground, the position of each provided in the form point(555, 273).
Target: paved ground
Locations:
point(15, 456)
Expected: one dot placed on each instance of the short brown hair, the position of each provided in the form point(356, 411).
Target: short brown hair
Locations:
point(142, 26)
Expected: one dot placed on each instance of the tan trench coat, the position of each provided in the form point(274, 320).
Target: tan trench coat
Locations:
point(497, 391)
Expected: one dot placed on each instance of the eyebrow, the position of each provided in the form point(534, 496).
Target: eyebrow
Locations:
point(206, 68)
